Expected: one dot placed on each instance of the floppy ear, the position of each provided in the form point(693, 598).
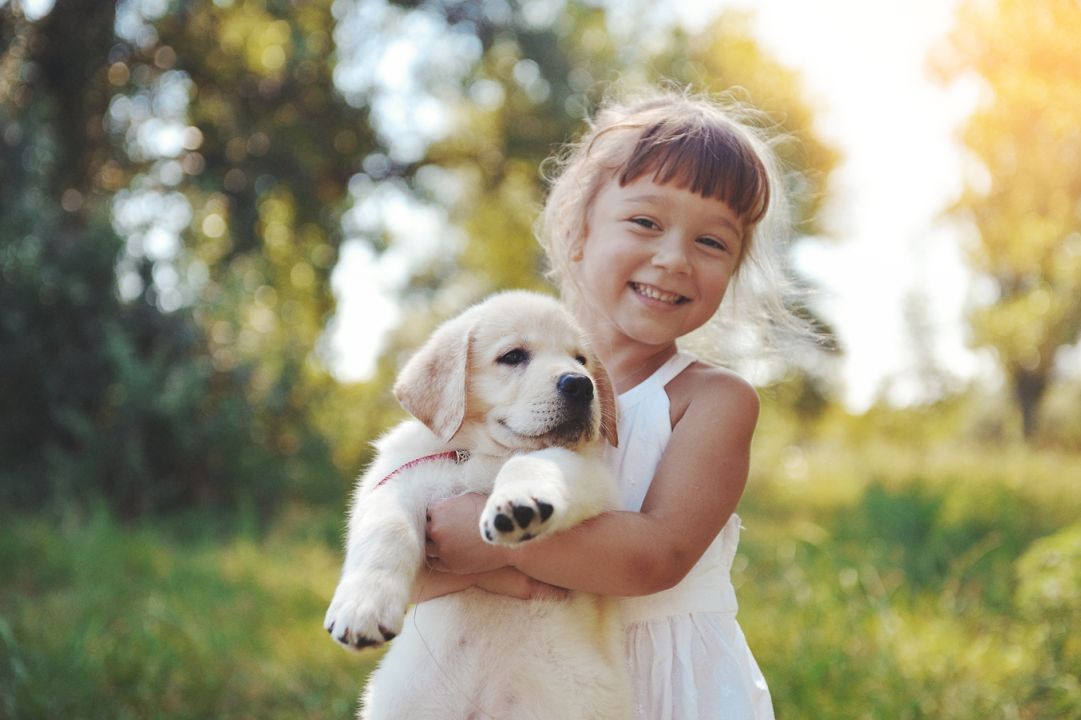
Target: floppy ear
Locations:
point(432, 386)
point(607, 397)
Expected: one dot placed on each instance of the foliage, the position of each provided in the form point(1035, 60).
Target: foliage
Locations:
point(1023, 201)
point(266, 173)
point(1049, 596)
point(116, 399)
point(163, 299)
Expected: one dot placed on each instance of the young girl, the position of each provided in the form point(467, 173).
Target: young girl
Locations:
point(667, 207)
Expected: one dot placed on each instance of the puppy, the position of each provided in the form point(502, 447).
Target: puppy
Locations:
point(509, 401)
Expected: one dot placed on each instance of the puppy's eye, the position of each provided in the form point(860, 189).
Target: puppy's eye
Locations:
point(517, 356)
point(580, 359)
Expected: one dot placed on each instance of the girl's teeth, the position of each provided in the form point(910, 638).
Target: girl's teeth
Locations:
point(656, 294)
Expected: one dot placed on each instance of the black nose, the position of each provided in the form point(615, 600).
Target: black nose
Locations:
point(576, 388)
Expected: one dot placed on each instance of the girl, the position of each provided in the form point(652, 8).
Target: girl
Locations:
point(667, 207)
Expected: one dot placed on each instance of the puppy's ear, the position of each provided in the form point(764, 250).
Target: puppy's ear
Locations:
point(606, 396)
point(432, 386)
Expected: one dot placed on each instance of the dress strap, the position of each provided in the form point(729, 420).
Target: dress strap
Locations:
point(661, 376)
point(672, 367)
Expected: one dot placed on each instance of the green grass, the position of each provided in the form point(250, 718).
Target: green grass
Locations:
point(884, 580)
point(890, 581)
point(102, 621)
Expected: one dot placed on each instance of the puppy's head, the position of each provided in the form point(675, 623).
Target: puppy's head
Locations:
point(516, 371)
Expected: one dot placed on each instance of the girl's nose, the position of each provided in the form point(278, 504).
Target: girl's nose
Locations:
point(671, 255)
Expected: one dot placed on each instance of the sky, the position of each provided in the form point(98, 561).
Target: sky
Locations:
point(864, 65)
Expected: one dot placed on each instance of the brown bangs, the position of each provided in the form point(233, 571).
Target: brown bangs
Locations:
point(708, 159)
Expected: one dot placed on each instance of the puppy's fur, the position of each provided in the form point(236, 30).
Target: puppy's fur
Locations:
point(513, 382)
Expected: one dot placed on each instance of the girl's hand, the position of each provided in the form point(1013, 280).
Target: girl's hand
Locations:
point(431, 584)
point(453, 542)
point(514, 583)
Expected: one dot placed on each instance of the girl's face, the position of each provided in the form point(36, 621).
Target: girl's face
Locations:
point(656, 261)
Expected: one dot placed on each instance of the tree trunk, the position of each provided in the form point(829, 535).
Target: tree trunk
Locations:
point(72, 50)
point(1029, 387)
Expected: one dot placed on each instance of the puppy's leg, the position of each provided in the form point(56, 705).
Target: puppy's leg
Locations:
point(543, 492)
point(383, 553)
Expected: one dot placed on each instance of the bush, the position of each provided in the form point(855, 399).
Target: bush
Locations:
point(122, 401)
point(1049, 597)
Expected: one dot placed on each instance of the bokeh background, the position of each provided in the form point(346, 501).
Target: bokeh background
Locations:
point(224, 224)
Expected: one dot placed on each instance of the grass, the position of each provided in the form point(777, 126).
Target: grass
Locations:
point(884, 580)
point(893, 581)
point(97, 620)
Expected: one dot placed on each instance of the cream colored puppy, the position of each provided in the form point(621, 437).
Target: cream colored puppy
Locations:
point(508, 401)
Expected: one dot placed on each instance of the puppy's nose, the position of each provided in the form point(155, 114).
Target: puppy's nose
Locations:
point(576, 388)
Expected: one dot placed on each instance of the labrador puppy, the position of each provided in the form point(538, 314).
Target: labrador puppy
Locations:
point(509, 401)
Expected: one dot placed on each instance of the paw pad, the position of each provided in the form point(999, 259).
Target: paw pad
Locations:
point(507, 522)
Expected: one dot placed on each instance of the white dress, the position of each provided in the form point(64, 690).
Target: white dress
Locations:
point(686, 653)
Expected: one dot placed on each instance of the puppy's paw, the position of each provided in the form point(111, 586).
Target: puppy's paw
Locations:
point(510, 518)
point(366, 613)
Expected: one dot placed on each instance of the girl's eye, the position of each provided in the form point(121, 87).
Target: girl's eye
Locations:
point(713, 243)
point(645, 222)
point(517, 356)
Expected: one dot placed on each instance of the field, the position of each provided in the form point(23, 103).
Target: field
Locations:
point(877, 579)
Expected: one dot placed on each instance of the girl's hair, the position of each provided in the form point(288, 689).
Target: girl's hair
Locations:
point(717, 148)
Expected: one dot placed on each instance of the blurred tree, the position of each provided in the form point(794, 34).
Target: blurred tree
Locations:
point(268, 157)
point(202, 152)
point(1024, 199)
point(273, 148)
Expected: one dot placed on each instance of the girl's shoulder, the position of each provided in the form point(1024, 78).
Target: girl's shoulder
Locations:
point(713, 392)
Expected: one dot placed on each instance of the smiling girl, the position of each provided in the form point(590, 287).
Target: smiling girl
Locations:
point(666, 218)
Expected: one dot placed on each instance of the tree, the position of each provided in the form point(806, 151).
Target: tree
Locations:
point(1024, 198)
point(201, 151)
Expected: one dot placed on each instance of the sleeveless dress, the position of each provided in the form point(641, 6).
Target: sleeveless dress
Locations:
point(687, 655)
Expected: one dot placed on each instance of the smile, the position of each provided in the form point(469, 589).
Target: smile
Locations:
point(657, 294)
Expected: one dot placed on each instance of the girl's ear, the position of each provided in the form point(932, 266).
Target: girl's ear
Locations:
point(606, 396)
point(433, 385)
point(576, 252)
point(577, 242)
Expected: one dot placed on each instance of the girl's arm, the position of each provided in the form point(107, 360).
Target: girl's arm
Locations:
point(695, 490)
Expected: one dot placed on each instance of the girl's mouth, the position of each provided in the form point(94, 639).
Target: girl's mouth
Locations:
point(657, 294)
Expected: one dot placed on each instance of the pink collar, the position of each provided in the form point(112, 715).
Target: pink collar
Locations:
point(458, 456)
